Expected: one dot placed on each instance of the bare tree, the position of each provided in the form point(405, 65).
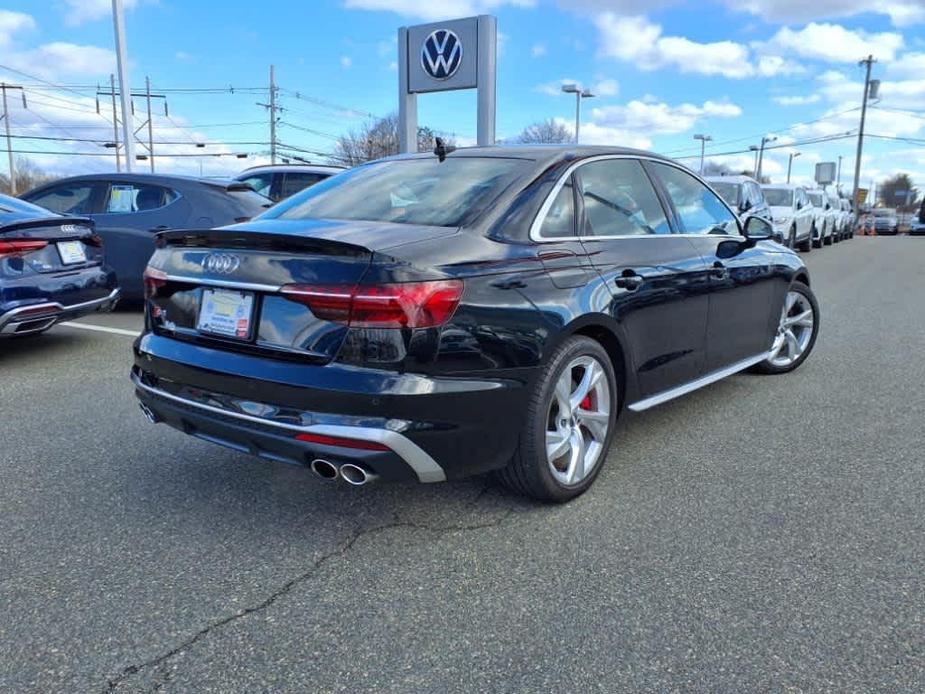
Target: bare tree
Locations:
point(715, 168)
point(28, 176)
point(548, 131)
point(895, 190)
point(377, 139)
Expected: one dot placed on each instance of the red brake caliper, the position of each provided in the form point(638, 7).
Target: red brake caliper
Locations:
point(586, 403)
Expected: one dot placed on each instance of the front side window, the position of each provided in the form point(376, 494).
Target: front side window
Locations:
point(125, 198)
point(422, 190)
point(560, 218)
point(261, 183)
point(699, 210)
point(619, 200)
point(75, 198)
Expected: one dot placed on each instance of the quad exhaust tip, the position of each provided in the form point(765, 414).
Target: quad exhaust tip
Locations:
point(146, 411)
point(355, 475)
point(324, 469)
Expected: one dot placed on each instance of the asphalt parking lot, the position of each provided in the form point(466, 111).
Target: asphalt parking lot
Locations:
point(763, 534)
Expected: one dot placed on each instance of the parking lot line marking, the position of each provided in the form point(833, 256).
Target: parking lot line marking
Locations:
point(102, 329)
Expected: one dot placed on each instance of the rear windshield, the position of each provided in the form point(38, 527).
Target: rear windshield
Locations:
point(14, 208)
point(727, 191)
point(407, 191)
point(778, 197)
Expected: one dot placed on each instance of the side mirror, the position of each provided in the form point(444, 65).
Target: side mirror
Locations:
point(758, 229)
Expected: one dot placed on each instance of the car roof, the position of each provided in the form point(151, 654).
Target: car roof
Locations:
point(780, 186)
point(149, 178)
point(540, 153)
point(292, 168)
point(736, 178)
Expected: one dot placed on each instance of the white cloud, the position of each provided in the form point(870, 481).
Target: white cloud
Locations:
point(82, 11)
point(607, 87)
point(773, 65)
point(184, 57)
point(538, 50)
point(908, 65)
point(53, 60)
point(554, 88)
point(901, 12)
point(593, 133)
point(13, 22)
point(447, 9)
point(637, 40)
point(346, 61)
point(896, 94)
point(652, 117)
point(799, 100)
point(832, 43)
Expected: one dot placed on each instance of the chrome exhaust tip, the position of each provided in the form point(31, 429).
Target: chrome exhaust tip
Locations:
point(149, 415)
point(356, 475)
point(324, 469)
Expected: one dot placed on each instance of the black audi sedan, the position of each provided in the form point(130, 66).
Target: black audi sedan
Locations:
point(51, 269)
point(431, 316)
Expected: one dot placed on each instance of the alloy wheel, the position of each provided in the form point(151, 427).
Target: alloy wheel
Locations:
point(794, 331)
point(578, 420)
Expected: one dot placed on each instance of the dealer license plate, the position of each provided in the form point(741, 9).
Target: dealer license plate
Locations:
point(226, 313)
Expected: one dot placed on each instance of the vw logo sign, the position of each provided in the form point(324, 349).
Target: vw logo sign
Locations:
point(441, 54)
point(221, 263)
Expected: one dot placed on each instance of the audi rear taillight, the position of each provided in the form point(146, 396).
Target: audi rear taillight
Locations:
point(405, 305)
point(153, 280)
point(21, 247)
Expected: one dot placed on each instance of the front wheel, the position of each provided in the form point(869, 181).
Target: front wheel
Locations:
point(796, 331)
point(569, 425)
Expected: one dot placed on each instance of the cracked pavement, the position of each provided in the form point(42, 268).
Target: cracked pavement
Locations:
point(765, 533)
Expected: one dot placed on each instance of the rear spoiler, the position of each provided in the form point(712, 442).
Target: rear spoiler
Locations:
point(20, 224)
point(256, 240)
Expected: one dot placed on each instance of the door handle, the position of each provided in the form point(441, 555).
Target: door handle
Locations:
point(719, 271)
point(159, 227)
point(629, 280)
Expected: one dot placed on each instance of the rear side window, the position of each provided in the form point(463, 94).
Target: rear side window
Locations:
point(75, 198)
point(560, 218)
point(295, 182)
point(699, 210)
point(125, 198)
point(422, 190)
point(619, 200)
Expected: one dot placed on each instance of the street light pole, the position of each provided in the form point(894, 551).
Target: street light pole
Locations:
point(128, 137)
point(764, 141)
point(579, 95)
point(704, 139)
point(793, 155)
point(754, 149)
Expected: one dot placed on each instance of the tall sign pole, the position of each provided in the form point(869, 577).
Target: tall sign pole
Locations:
point(272, 115)
point(150, 123)
point(128, 138)
point(442, 57)
point(868, 61)
point(115, 120)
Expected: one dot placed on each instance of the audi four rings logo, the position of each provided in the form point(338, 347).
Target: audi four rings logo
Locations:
point(222, 263)
point(441, 54)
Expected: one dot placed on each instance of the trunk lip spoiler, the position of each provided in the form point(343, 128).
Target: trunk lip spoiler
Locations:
point(37, 222)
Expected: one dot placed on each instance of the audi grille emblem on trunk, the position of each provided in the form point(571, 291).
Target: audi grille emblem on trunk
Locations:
point(222, 263)
point(441, 54)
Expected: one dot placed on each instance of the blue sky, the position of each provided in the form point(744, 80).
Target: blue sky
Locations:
point(663, 70)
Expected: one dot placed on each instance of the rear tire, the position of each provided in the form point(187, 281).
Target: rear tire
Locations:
point(796, 333)
point(563, 444)
point(807, 245)
point(817, 243)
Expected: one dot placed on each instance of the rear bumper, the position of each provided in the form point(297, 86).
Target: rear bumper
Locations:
point(433, 428)
point(36, 317)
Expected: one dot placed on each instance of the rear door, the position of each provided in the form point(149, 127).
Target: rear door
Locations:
point(657, 279)
point(745, 288)
point(132, 214)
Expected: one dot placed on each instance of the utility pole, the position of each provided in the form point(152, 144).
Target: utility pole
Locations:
point(272, 115)
point(150, 123)
point(868, 61)
point(838, 173)
point(9, 142)
point(754, 148)
point(118, 21)
point(703, 144)
point(115, 120)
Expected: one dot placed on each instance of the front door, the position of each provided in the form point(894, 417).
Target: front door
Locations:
point(657, 279)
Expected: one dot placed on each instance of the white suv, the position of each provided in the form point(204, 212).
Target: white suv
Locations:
point(791, 214)
point(826, 217)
